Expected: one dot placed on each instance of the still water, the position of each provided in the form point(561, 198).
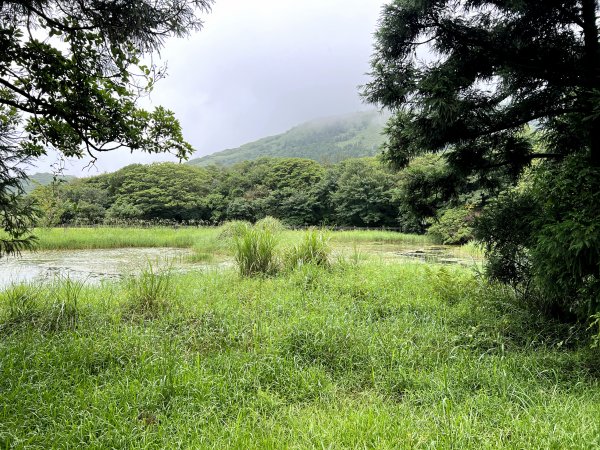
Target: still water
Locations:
point(92, 266)
point(87, 265)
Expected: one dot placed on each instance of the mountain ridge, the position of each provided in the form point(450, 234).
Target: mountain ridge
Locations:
point(326, 140)
point(43, 179)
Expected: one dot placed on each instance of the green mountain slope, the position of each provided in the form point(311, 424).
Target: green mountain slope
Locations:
point(43, 179)
point(327, 140)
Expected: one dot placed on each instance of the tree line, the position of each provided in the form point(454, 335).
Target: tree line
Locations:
point(361, 192)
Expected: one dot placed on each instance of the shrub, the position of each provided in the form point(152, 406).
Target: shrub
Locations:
point(230, 230)
point(547, 235)
point(454, 226)
point(566, 249)
point(313, 249)
point(254, 248)
point(505, 230)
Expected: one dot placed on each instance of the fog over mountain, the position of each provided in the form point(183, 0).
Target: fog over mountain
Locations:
point(257, 69)
point(327, 140)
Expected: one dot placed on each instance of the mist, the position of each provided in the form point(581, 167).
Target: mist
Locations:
point(256, 69)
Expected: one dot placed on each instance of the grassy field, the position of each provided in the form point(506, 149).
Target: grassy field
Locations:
point(116, 237)
point(188, 237)
point(366, 355)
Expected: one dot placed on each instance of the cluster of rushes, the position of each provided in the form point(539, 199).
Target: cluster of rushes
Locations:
point(256, 248)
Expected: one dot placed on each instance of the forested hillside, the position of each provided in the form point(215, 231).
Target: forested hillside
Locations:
point(329, 140)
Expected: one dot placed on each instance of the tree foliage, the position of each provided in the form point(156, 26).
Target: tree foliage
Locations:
point(454, 226)
point(16, 213)
point(495, 85)
point(70, 76)
point(300, 192)
point(363, 194)
point(471, 75)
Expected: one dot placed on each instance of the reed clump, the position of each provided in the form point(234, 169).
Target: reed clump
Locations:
point(149, 293)
point(255, 250)
point(313, 249)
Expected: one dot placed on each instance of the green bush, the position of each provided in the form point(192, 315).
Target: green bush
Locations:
point(230, 230)
point(505, 230)
point(454, 226)
point(545, 238)
point(566, 249)
point(270, 223)
point(254, 250)
point(313, 249)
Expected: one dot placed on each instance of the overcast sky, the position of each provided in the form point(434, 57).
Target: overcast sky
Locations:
point(258, 68)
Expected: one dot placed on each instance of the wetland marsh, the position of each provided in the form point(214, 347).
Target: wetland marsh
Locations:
point(373, 350)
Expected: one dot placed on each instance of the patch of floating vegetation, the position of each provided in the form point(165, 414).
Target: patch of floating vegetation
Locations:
point(89, 265)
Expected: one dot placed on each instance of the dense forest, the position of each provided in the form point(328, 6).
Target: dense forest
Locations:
point(360, 192)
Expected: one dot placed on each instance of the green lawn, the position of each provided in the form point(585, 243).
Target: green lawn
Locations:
point(368, 355)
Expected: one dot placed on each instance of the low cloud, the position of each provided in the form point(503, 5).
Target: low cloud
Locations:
point(258, 68)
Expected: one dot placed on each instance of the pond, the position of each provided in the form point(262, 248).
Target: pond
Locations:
point(93, 266)
point(88, 265)
point(441, 254)
point(433, 254)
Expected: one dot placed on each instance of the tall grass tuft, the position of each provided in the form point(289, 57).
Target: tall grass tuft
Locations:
point(313, 249)
point(22, 305)
point(64, 309)
point(270, 223)
point(48, 308)
point(229, 231)
point(150, 293)
point(254, 249)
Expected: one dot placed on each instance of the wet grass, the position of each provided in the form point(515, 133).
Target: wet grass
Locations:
point(356, 355)
point(190, 237)
point(214, 244)
point(115, 237)
point(385, 237)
